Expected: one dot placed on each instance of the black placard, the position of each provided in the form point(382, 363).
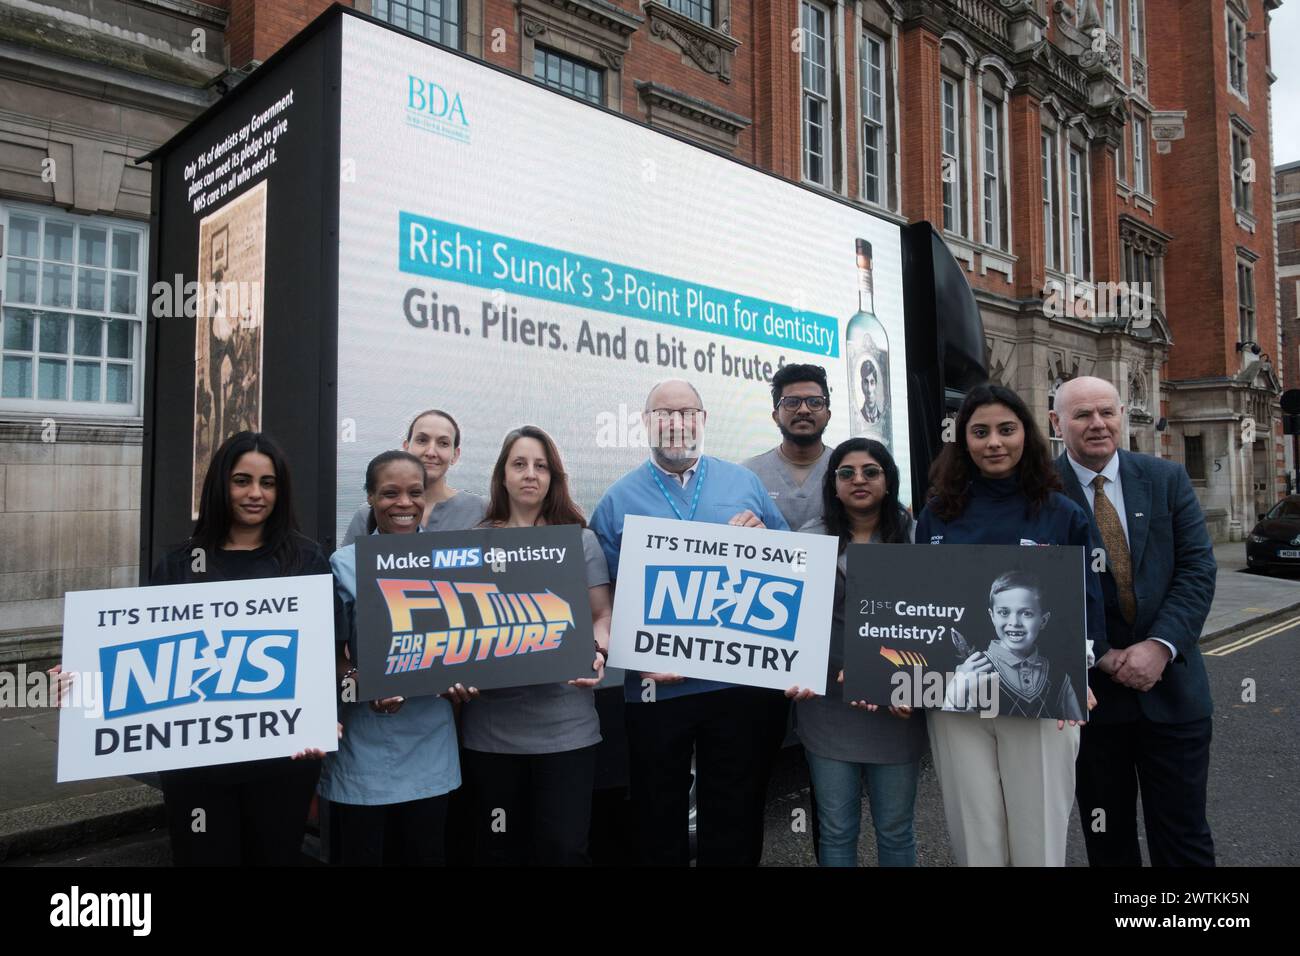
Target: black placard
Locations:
point(913, 615)
point(500, 607)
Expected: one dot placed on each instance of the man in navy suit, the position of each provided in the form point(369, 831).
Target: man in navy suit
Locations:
point(1151, 727)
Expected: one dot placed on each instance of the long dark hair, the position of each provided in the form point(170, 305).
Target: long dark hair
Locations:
point(953, 471)
point(558, 506)
point(372, 477)
point(892, 526)
point(280, 534)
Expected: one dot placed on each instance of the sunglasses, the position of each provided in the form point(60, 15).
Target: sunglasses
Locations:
point(869, 472)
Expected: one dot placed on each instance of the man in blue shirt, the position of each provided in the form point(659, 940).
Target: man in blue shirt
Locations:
point(669, 717)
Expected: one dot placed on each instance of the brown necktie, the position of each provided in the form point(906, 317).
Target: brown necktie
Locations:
point(1112, 536)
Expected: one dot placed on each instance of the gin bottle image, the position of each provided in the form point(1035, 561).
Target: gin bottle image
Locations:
point(866, 351)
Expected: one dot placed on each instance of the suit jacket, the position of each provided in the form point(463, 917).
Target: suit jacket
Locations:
point(1173, 580)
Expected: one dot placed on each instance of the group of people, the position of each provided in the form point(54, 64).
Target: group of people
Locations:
point(528, 755)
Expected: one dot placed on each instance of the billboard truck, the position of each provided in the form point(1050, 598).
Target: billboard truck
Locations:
point(372, 225)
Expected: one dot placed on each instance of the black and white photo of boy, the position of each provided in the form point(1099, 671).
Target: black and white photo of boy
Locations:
point(1027, 684)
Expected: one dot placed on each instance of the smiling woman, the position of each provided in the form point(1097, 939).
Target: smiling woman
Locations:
point(254, 811)
point(1011, 775)
point(397, 762)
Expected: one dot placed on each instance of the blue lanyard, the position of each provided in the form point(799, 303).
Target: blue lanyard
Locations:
point(695, 500)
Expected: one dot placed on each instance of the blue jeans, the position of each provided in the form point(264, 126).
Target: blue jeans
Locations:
point(837, 786)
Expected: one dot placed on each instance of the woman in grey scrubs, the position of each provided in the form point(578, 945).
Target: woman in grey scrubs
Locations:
point(530, 752)
point(434, 438)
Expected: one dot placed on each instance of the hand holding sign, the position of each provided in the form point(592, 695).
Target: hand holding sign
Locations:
point(743, 605)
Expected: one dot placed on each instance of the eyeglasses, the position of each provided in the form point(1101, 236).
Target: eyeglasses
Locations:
point(869, 472)
point(815, 403)
point(686, 414)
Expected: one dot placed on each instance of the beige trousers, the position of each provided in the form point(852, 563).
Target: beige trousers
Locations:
point(1008, 786)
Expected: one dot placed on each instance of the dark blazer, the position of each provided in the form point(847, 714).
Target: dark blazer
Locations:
point(1173, 579)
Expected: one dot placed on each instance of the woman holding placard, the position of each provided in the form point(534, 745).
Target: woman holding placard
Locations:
point(530, 752)
point(852, 745)
point(433, 437)
point(1007, 782)
point(397, 761)
point(247, 813)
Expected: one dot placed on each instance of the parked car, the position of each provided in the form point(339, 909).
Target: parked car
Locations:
point(1274, 543)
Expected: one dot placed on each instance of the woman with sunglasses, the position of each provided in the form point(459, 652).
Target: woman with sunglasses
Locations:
point(434, 438)
point(1007, 782)
point(530, 752)
point(850, 745)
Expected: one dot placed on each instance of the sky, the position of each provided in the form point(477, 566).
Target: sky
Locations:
point(1284, 37)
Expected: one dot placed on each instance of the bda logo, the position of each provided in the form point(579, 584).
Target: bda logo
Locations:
point(756, 603)
point(184, 668)
point(432, 106)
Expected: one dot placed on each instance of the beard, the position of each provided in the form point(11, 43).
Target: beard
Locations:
point(802, 440)
point(677, 459)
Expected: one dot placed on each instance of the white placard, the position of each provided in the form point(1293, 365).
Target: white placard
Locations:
point(190, 675)
point(742, 605)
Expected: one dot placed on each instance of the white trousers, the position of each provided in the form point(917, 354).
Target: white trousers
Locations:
point(1008, 786)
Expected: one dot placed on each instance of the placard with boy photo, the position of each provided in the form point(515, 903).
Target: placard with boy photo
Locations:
point(981, 628)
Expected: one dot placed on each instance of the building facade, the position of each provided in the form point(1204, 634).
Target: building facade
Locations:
point(1089, 162)
point(85, 88)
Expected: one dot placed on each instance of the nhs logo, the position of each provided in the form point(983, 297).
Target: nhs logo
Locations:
point(457, 558)
point(433, 107)
point(186, 668)
point(756, 603)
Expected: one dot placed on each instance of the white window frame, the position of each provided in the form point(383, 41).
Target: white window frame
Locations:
point(881, 124)
point(991, 179)
point(1236, 36)
point(1050, 177)
point(1141, 156)
point(807, 62)
point(1242, 197)
point(999, 182)
point(132, 409)
point(1079, 196)
point(1110, 17)
point(1137, 28)
point(1247, 319)
point(952, 191)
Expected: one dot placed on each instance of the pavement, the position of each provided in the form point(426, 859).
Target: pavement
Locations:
point(120, 819)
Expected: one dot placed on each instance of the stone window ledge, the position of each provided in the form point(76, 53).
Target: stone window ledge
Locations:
point(998, 261)
point(961, 249)
point(691, 116)
point(24, 428)
point(711, 49)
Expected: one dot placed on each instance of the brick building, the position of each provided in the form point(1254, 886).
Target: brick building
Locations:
point(1286, 198)
point(1090, 162)
point(1286, 212)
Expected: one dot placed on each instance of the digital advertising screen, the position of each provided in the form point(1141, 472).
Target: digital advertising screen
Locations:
point(513, 256)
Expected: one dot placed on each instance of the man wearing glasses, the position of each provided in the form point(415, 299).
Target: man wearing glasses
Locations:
point(670, 717)
point(793, 471)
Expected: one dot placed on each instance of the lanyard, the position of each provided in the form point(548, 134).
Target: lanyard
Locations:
point(695, 499)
